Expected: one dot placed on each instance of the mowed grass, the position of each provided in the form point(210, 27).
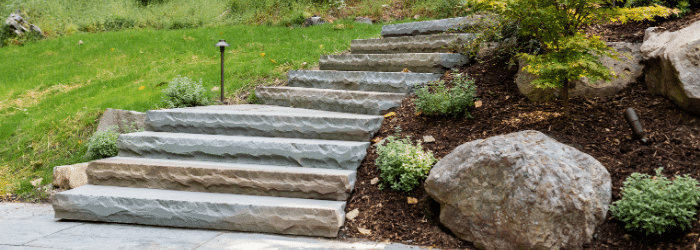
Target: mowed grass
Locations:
point(53, 92)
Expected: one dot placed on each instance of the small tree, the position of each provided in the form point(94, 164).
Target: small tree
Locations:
point(567, 53)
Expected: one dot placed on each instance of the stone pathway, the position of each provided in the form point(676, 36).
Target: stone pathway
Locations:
point(287, 167)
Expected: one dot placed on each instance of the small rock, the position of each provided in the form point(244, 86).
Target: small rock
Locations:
point(416, 17)
point(364, 231)
point(478, 103)
point(80, 42)
point(366, 20)
point(304, 64)
point(36, 182)
point(428, 138)
point(412, 200)
point(314, 20)
point(215, 89)
point(374, 181)
point(352, 214)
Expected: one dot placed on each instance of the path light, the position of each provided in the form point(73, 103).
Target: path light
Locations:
point(222, 45)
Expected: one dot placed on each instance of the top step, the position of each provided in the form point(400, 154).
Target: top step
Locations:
point(432, 27)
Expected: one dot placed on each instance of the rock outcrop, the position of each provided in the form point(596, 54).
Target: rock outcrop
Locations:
point(124, 121)
point(520, 191)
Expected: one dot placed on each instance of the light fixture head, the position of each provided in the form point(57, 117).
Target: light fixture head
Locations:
point(222, 43)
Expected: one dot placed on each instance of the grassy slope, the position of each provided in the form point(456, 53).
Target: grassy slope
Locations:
point(52, 92)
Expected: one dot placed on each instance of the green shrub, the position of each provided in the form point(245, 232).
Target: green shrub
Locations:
point(436, 99)
point(682, 5)
point(183, 92)
point(114, 23)
point(103, 144)
point(655, 205)
point(402, 164)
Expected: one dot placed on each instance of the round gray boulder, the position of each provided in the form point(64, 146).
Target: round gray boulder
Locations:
point(520, 191)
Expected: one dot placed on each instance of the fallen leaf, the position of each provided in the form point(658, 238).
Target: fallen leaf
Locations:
point(273, 61)
point(406, 70)
point(215, 89)
point(412, 200)
point(262, 54)
point(112, 49)
point(364, 231)
point(377, 139)
point(389, 115)
point(428, 138)
point(142, 87)
point(477, 103)
point(352, 214)
point(374, 181)
point(80, 42)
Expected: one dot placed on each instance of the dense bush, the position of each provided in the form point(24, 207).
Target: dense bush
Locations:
point(682, 5)
point(183, 92)
point(436, 99)
point(656, 205)
point(103, 144)
point(403, 165)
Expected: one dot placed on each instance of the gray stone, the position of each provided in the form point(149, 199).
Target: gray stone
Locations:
point(414, 62)
point(242, 241)
point(628, 69)
point(194, 176)
point(673, 65)
point(361, 19)
point(124, 121)
point(70, 176)
point(520, 191)
point(201, 210)
point(314, 20)
point(360, 80)
point(434, 26)
point(359, 102)
point(442, 43)
point(244, 150)
point(265, 121)
point(18, 232)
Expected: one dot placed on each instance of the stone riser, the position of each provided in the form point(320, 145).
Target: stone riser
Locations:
point(415, 62)
point(360, 80)
point(265, 121)
point(200, 210)
point(432, 27)
point(373, 103)
point(244, 150)
point(410, 44)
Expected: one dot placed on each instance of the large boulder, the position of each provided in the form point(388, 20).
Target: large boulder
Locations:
point(673, 65)
point(123, 120)
point(520, 191)
point(627, 70)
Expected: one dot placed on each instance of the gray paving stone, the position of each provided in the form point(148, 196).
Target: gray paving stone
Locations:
point(373, 103)
point(410, 44)
point(245, 241)
point(432, 27)
point(265, 121)
point(201, 210)
point(414, 62)
point(19, 232)
point(25, 211)
point(194, 176)
point(244, 150)
point(396, 82)
point(12, 247)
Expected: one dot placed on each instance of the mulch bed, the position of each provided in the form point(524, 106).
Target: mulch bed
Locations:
point(597, 127)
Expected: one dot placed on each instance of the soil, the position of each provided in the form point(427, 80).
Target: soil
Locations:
point(597, 127)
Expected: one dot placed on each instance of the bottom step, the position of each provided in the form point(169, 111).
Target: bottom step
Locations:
point(201, 210)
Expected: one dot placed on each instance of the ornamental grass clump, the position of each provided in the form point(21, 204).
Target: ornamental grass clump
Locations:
point(437, 100)
point(656, 205)
point(183, 92)
point(103, 144)
point(402, 164)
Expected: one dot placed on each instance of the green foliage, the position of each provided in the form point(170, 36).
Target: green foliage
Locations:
point(402, 164)
point(114, 23)
point(183, 92)
point(682, 5)
point(656, 205)
point(436, 99)
point(103, 144)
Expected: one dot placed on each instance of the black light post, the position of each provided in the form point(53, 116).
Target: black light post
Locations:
point(222, 45)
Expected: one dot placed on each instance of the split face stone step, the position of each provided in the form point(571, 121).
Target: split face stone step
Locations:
point(200, 210)
point(212, 177)
point(434, 26)
point(373, 103)
point(265, 121)
point(410, 44)
point(414, 62)
point(244, 149)
point(396, 82)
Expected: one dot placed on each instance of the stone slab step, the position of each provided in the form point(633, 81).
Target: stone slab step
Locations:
point(414, 62)
point(212, 177)
point(362, 102)
point(265, 121)
point(200, 210)
point(410, 44)
point(244, 149)
point(396, 82)
point(434, 26)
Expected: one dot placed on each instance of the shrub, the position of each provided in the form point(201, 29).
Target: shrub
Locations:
point(402, 164)
point(655, 205)
point(114, 23)
point(183, 92)
point(103, 144)
point(682, 5)
point(436, 99)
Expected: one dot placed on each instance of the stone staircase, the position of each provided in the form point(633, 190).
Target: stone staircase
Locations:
point(287, 167)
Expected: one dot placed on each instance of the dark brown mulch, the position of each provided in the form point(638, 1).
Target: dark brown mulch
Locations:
point(597, 127)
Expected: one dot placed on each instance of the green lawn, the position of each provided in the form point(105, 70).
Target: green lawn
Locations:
point(53, 92)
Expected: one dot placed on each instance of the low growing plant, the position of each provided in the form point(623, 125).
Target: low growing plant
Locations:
point(436, 99)
point(103, 144)
point(402, 164)
point(656, 205)
point(183, 92)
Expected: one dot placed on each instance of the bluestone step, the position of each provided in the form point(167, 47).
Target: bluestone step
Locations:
point(414, 62)
point(265, 121)
point(396, 82)
point(244, 149)
point(212, 177)
point(200, 210)
point(434, 26)
point(410, 44)
point(362, 102)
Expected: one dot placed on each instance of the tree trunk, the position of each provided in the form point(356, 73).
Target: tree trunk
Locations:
point(565, 97)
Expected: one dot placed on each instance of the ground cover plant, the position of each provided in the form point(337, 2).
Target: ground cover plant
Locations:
point(403, 165)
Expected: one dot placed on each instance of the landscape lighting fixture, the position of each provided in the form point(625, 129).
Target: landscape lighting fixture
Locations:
point(222, 45)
